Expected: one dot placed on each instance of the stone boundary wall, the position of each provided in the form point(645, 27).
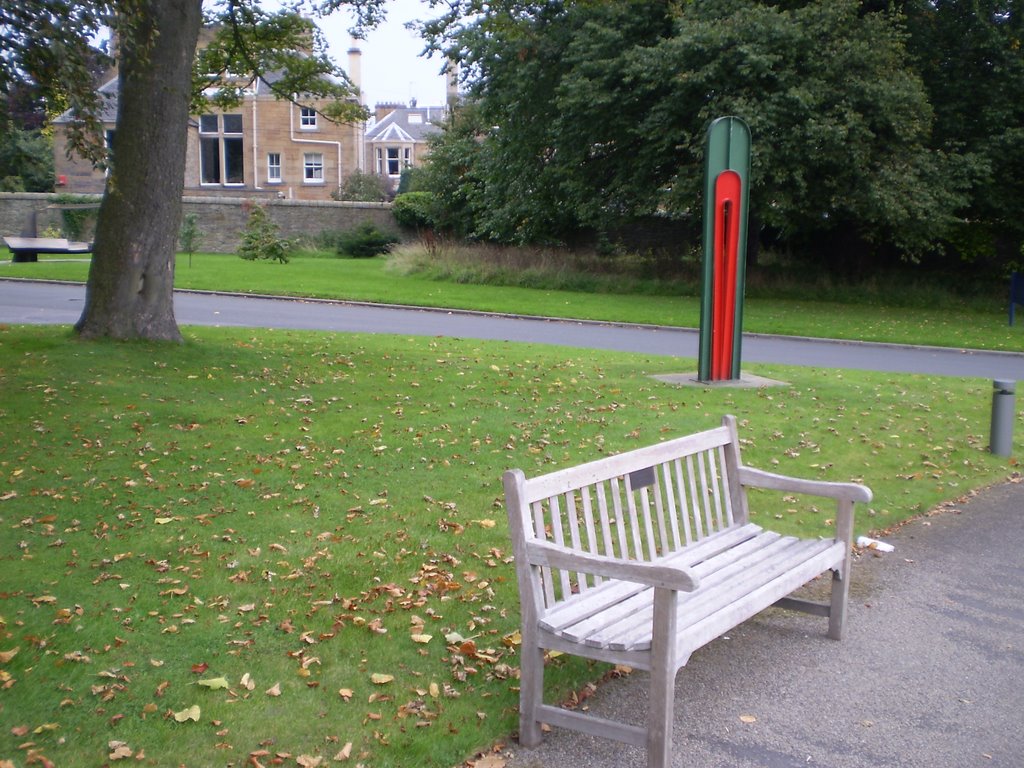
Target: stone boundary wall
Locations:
point(221, 219)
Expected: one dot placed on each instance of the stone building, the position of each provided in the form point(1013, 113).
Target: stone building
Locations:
point(267, 147)
point(397, 136)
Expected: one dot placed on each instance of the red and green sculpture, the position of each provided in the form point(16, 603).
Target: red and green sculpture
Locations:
point(726, 188)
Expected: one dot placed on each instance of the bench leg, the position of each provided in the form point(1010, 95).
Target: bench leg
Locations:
point(837, 610)
point(531, 694)
point(841, 577)
point(661, 704)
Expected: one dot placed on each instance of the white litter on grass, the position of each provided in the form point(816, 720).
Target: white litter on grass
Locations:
point(875, 544)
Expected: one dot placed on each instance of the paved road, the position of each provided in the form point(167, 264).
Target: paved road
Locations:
point(929, 675)
point(31, 302)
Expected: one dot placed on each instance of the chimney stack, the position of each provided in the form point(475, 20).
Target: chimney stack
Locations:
point(355, 70)
point(385, 108)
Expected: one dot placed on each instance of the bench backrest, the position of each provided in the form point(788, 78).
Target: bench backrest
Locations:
point(637, 505)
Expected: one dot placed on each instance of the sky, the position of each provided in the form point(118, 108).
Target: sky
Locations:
point(392, 70)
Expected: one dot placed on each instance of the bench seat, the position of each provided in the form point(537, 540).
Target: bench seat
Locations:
point(747, 577)
point(25, 249)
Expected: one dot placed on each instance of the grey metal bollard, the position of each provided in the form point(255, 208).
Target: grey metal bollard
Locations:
point(1003, 413)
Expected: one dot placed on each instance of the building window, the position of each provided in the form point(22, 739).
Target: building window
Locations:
point(221, 150)
point(393, 167)
point(313, 167)
point(307, 118)
point(393, 160)
point(274, 168)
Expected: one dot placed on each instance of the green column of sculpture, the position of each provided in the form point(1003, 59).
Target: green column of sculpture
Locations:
point(726, 198)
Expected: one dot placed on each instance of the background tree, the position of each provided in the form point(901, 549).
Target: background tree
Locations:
point(190, 235)
point(27, 92)
point(47, 53)
point(842, 163)
point(26, 160)
point(129, 293)
point(262, 239)
point(592, 113)
point(362, 187)
point(971, 59)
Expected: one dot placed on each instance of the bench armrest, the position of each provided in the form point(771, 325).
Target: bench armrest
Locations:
point(758, 478)
point(676, 578)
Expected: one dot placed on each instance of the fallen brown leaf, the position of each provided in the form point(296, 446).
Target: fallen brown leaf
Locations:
point(344, 753)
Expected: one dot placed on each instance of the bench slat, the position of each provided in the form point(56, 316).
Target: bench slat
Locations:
point(731, 596)
point(597, 599)
point(591, 473)
point(619, 612)
point(731, 615)
point(620, 628)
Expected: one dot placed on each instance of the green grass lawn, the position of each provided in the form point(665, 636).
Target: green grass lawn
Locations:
point(948, 324)
point(292, 545)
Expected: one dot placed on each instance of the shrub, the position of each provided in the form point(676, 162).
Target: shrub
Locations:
point(12, 184)
point(411, 180)
point(363, 188)
point(365, 241)
point(415, 210)
point(261, 240)
point(78, 215)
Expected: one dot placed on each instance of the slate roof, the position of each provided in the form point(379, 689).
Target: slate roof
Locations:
point(406, 124)
point(108, 93)
point(108, 104)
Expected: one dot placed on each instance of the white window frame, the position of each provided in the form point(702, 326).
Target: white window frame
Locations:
point(274, 168)
point(313, 168)
point(307, 119)
point(393, 155)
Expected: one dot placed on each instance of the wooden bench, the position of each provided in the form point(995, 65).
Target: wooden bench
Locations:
point(642, 558)
point(27, 246)
point(27, 249)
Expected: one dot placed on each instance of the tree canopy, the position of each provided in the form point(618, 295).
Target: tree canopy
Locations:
point(585, 114)
point(970, 56)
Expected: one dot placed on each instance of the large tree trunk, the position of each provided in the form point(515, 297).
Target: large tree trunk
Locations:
point(130, 292)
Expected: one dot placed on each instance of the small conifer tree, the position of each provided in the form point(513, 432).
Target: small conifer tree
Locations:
point(261, 238)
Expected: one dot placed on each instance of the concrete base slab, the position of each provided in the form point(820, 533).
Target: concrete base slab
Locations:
point(746, 381)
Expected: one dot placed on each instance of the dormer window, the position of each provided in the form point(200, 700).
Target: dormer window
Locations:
point(307, 118)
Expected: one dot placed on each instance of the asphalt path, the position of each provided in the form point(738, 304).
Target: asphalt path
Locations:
point(61, 303)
